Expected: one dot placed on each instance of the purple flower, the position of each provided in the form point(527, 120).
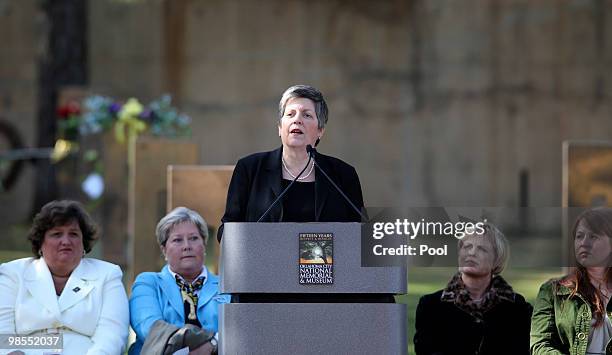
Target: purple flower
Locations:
point(114, 108)
point(146, 115)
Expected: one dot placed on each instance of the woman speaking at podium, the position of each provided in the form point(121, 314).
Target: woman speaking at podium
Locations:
point(260, 178)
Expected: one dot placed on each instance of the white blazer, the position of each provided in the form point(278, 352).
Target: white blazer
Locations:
point(91, 313)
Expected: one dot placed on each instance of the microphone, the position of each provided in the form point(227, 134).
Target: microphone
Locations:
point(311, 152)
point(286, 188)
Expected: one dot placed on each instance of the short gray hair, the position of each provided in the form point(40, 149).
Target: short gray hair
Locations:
point(175, 217)
point(307, 92)
point(500, 244)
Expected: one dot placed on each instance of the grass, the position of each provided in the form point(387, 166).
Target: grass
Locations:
point(8, 255)
point(422, 281)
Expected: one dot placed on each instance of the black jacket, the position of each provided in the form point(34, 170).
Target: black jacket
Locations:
point(442, 328)
point(256, 183)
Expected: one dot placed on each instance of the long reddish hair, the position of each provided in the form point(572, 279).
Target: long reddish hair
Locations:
point(598, 220)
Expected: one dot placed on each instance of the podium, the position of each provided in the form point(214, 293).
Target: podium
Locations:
point(281, 306)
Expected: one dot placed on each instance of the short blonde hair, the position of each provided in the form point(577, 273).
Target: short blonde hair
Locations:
point(500, 244)
point(175, 217)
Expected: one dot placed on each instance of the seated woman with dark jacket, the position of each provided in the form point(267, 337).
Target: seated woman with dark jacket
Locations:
point(477, 312)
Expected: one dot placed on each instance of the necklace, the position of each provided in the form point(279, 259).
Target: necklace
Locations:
point(293, 176)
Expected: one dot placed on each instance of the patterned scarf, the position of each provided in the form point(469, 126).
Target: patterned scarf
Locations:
point(456, 292)
point(190, 298)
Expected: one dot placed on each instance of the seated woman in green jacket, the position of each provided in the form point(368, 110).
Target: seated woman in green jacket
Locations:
point(572, 314)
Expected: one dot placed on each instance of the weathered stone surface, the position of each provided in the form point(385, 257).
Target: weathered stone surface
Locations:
point(434, 102)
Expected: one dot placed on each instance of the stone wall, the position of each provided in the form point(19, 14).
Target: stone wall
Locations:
point(434, 102)
point(22, 34)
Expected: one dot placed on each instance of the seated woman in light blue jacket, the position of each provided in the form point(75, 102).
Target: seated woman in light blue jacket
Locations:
point(184, 292)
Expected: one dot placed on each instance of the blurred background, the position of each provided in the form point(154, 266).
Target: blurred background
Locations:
point(435, 103)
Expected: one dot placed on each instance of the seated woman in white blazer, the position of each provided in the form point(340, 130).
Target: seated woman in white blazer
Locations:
point(184, 295)
point(59, 291)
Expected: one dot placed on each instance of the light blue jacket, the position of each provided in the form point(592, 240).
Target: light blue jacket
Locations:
point(155, 295)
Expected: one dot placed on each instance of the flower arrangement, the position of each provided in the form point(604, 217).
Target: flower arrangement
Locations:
point(128, 119)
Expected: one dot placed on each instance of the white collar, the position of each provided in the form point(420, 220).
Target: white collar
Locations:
point(203, 274)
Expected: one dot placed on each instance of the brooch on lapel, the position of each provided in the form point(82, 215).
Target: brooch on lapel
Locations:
point(76, 289)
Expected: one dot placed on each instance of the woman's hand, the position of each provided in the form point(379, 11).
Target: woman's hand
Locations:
point(204, 349)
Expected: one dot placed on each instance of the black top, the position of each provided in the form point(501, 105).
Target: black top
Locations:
point(442, 328)
point(257, 181)
point(299, 202)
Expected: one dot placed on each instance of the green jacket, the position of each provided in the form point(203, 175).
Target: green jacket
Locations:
point(560, 324)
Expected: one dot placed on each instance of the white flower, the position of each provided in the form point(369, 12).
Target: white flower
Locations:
point(93, 185)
